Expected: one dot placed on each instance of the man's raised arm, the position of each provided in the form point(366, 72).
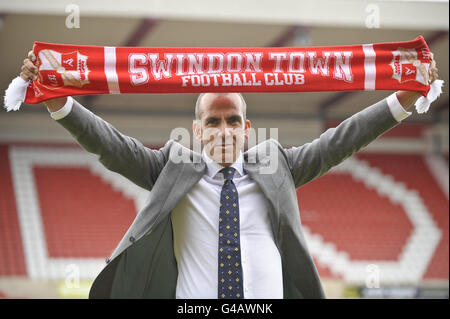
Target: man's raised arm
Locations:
point(117, 152)
point(314, 159)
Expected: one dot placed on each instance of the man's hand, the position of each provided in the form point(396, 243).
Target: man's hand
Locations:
point(29, 72)
point(408, 98)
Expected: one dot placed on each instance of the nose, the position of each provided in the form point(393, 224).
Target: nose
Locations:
point(224, 130)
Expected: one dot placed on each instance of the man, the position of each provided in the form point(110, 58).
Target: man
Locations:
point(216, 225)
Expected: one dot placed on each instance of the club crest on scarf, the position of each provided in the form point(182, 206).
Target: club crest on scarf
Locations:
point(409, 65)
point(58, 70)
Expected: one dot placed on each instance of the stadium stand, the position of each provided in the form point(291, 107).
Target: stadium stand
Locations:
point(79, 209)
point(378, 220)
point(371, 227)
point(370, 209)
point(12, 261)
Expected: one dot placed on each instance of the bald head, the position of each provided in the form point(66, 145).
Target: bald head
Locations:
point(207, 98)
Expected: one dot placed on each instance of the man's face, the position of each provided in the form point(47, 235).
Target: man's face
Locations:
point(222, 128)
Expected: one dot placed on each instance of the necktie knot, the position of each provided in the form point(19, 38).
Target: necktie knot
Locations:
point(228, 173)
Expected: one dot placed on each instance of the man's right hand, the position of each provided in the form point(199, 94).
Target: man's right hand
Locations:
point(29, 72)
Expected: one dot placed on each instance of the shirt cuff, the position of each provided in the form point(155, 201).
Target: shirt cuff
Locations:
point(64, 111)
point(397, 110)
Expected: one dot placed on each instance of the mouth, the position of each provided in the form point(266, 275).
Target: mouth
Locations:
point(224, 146)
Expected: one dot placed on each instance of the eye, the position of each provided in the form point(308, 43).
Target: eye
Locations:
point(211, 122)
point(235, 121)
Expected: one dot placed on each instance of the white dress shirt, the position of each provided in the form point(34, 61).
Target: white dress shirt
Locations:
point(195, 222)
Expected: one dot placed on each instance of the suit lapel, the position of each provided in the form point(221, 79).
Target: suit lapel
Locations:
point(267, 185)
point(189, 174)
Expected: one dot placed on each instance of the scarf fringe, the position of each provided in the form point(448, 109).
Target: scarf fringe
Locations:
point(15, 94)
point(423, 103)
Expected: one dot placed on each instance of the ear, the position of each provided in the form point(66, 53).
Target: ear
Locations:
point(197, 129)
point(248, 126)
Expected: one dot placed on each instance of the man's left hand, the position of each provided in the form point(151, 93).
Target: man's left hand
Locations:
point(408, 98)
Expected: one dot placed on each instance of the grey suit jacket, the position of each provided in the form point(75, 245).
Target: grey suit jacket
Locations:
point(144, 266)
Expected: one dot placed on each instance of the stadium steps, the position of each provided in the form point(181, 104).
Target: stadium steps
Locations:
point(367, 226)
point(412, 170)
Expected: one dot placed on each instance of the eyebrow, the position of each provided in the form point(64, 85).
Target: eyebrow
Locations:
point(232, 118)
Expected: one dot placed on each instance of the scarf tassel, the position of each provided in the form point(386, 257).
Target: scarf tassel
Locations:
point(15, 94)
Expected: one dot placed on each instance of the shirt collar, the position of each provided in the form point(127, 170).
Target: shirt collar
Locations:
point(212, 167)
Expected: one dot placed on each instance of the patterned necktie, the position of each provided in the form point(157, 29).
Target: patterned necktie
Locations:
point(230, 269)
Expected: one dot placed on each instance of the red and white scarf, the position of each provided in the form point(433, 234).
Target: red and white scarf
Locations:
point(69, 70)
